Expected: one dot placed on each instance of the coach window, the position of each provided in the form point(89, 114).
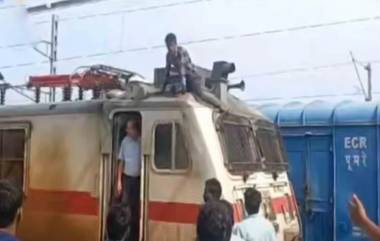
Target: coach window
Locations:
point(169, 148)
point(12, 155)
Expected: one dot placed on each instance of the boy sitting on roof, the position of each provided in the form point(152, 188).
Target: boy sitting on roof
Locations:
point(178, 61)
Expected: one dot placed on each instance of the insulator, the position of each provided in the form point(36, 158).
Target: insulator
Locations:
point(67, 93)
point(80, 93)
point(95, 93)
point(38, 94)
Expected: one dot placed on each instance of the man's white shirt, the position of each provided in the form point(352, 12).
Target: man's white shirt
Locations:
point(130, 153)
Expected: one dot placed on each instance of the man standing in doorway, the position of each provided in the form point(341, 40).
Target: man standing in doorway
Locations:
point(129, 168)
point(178, 60)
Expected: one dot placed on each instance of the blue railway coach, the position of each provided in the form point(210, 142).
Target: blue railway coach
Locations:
point(333, 152)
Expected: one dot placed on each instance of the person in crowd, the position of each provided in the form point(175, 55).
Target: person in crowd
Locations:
point(254, 227)
point(118, 223)
point(214, 223)
point(359, 217)
point(213, 190)
point(128, 178)
point(11, 199)
point(178, 60)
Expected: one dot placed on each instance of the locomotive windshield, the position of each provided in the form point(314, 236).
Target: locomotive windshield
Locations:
point(249, 149)
point(240, 147)
point(270, 145)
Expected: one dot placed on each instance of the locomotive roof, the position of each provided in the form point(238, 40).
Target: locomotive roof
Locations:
point(235, 106)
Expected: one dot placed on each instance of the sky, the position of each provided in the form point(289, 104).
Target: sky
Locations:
point(284, 50)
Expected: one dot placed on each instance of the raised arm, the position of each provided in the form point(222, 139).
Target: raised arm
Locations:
point(184, 63)
point(360, 218)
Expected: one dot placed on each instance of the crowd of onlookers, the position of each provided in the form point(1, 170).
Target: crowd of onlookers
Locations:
point(215, 220)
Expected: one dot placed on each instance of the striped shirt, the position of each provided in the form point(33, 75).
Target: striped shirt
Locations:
point(180, 63)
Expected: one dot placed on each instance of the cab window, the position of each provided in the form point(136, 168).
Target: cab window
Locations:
point(12, 155)
point(271, 147)
point(239, 144)
point(169, 148)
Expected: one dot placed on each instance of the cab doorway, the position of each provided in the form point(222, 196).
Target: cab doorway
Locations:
point(126, 171)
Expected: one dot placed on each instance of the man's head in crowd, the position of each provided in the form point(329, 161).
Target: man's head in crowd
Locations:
point(11, 198)
point(171, 43)
point(213, 190)
point(118, 222)
point(252, 199)
point(214, 222)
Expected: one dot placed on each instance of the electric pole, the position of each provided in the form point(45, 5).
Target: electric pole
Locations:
point(368, 68)
point(53, 52)
point(3, 90)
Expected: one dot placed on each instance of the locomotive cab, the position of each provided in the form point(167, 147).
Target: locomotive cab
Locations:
point(67, 156)
point(186, 140)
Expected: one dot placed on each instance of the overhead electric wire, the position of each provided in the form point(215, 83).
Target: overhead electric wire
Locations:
point(74, 3)
point(10, 6)
point(22, 5)
point(223, 38)
point(16, 89)
point(180, 3)
point(18, 45)
point(305, 97)
point(236, 36)
point(61, 19)
point(299, 69)
point(130, 10)
point(199, 41)
point(22, 94)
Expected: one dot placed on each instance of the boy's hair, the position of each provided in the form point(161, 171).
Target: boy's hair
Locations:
point(11, 198)
point(214, 222)
point(213, 190)
point(170, 39)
